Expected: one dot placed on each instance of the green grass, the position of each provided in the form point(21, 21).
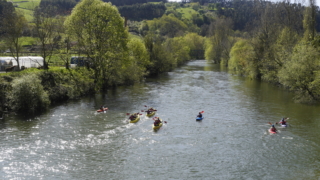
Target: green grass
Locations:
point(26, 7)
point(31, 4)
point(186, 12)
point(28, 40)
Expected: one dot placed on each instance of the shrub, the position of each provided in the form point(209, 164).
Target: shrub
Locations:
point(28, 95)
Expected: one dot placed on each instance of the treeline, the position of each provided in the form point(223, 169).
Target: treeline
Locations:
point(131, 2)
point(138, 12)
point(6, 8)
point(131, 9)
point(62, 6)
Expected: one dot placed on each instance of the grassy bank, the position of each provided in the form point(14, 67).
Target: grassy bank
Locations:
point(33, 90)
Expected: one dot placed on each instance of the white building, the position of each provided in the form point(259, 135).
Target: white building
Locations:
point(26, 61)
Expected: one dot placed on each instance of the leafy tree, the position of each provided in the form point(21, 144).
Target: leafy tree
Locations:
point(282, 50)
point(65, 45)
point(309, 22)
point(196, 44)
point(161, 61)
point(221, 41)
point(242, 59)
point(139, 60)
point(14, 25)
point(169, 26)
point(28, 95)
point(300, 73)
point(100, 34)
point(178, 49)
point(45, 28)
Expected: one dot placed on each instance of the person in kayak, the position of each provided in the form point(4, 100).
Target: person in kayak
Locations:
point(199, 115)
point(102, 108)
point(273, 129)
point(133, 116)
point(157, 121)
point(150, 110)
point(283, 121)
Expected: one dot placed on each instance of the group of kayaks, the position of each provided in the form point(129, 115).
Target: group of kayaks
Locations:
point(282, 123)
point(135, 117)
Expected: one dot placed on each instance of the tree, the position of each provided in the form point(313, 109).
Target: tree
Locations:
point(169, 26)
point(241, 59)
point(13, 26)
point(100, 34)
point(64, 44)
point(301, 72)
point(309, 21)
point(221, 41)
point(45, 28)
point(195, 43)
point(139, 60)
point(178, 49)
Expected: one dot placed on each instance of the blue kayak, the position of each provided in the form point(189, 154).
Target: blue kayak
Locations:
point(199, 118)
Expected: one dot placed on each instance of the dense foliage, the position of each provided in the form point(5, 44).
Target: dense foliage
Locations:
point(32, 91)
point(138, 12)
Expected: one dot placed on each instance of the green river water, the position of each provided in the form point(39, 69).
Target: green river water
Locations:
point(73, 141)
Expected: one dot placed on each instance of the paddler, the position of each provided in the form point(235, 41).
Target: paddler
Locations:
point(200, 115)
point(273, 129)
point(283, 121)
point(157, 121)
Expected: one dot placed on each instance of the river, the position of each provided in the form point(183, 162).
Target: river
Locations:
point(73, 141)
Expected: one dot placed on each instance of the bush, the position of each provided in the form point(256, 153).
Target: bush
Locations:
point(28, 95)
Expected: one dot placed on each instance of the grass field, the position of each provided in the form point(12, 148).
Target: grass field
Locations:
point(187, 12)
point(26, 4)
point(26, 7)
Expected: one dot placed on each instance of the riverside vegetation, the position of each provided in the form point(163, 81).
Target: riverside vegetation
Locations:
point(273, 41)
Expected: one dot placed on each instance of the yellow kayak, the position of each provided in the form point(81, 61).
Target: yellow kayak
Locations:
point(151, 113)
point(136, 119)
point(157, 127)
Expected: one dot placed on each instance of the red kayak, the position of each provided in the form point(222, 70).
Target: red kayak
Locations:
point(272, 132)
point(100, 110)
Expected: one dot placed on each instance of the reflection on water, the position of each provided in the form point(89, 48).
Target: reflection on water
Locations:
point(73, 141)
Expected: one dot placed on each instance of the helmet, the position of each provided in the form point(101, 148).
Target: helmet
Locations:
point(272, 125)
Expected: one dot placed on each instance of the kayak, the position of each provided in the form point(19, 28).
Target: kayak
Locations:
point(199, 118)
point(157, 127)
point(151, 113)
point(136, 119)
point(284, 125)
point(272, 132)
point(100, 110)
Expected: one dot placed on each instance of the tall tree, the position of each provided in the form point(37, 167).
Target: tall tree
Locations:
point(309, 21)
point(45, 28)
point(99, 31)
point(13, 26)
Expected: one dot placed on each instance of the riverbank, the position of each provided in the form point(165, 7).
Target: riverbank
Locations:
point(32, 90)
